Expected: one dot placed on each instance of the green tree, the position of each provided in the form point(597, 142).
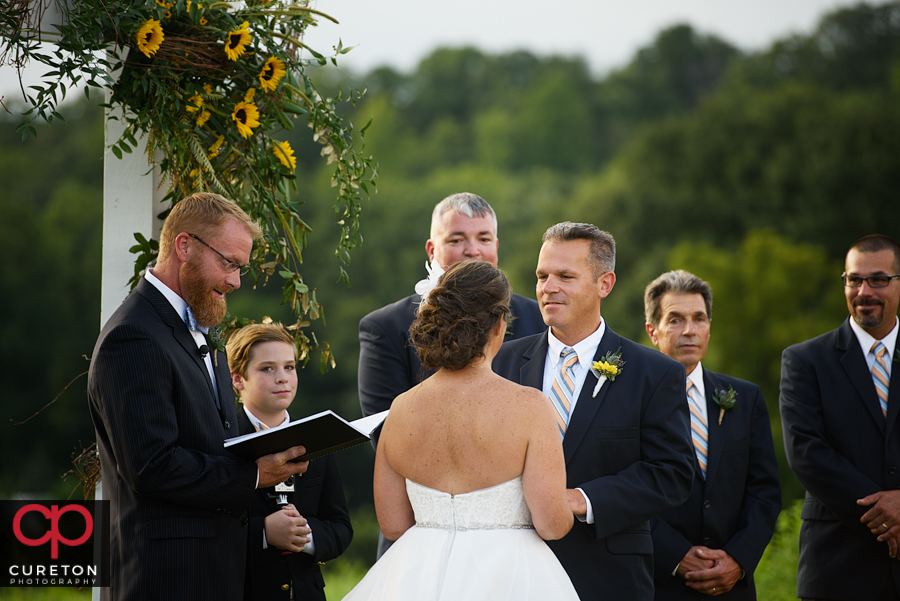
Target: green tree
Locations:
point(852, 48)
point(50, 229)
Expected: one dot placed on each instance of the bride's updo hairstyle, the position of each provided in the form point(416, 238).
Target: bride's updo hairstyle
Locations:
point(455, 320)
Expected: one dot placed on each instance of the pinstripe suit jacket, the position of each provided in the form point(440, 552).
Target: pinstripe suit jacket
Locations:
point(178, 524)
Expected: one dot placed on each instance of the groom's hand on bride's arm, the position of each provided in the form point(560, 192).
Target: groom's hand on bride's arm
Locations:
point(576, 501)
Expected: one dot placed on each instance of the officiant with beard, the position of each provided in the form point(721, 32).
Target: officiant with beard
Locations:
point(162, 403)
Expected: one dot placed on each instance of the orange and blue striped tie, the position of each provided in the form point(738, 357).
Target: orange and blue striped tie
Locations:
point(881, 375)
point(563, 389)
point(699, 429)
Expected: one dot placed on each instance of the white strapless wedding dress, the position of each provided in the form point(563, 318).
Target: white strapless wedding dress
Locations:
point(476, 545)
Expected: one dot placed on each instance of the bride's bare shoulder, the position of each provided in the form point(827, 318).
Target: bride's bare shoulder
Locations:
point(522, 395)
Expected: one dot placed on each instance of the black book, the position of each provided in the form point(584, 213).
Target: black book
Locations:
point(321, 434)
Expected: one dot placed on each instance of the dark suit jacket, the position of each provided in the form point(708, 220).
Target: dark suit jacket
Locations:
point(389, 363)
point(629, 449)
point(319, 497)
point(736, 507)
point(842, 449)
point(178, 499)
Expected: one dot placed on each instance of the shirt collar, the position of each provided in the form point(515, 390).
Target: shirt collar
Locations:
point(866, 340)
point(256, 421)
point(179, 304)
point(586, 349)
point(696, 377)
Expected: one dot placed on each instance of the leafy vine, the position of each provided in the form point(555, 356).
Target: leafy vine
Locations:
point(210, 86)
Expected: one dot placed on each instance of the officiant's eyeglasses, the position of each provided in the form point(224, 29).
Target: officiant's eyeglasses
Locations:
point(229, 264)
point(874, 281)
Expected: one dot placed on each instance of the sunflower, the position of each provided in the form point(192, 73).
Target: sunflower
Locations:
point(149, 37)
point(271, 73)
point(237, 41)
point(248, 97)
point(164, 4)
point(214, 149)
point(285, 154)
point(246, 117)
point(203, 117)
point(195, 102)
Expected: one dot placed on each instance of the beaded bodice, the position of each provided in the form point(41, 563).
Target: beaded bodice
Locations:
point(500, 506)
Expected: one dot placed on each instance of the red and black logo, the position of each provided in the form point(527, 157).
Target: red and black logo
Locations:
point(55, 543)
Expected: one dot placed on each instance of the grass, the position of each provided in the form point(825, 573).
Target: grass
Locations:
point(776, 574)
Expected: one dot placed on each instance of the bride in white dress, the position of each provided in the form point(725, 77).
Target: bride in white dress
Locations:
point(469, 471)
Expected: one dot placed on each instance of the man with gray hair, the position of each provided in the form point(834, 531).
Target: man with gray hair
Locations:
point(463, 226)
point(621, 416)
point(712, 544)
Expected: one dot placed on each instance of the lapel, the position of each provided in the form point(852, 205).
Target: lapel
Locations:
point(180, 331)
point(223, 383)
point(587, 406)
point(857, 370)
point(532, 371)
point(717, 433)
point(893, 391)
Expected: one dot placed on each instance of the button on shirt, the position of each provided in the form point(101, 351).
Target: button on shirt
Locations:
point(586, 349)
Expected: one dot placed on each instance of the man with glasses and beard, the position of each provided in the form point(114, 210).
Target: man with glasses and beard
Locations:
point(839, 410)
point(163, 404)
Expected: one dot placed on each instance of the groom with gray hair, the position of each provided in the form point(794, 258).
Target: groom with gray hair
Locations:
point(622, 417)
point(463, 226)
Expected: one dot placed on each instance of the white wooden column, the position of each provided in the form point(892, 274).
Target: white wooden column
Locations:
point(132, 198)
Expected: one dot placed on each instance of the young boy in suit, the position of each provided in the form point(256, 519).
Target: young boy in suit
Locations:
point(297, 526)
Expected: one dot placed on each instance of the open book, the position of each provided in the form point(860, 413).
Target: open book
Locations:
point(321, 434)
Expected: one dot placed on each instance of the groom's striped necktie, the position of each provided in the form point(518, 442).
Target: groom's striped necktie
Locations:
point(563, 389)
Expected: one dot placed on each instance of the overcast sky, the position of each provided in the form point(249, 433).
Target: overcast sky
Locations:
point(401, 32)
point(607, 33)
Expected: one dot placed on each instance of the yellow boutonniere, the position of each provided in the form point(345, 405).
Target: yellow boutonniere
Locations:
point(607, 368)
